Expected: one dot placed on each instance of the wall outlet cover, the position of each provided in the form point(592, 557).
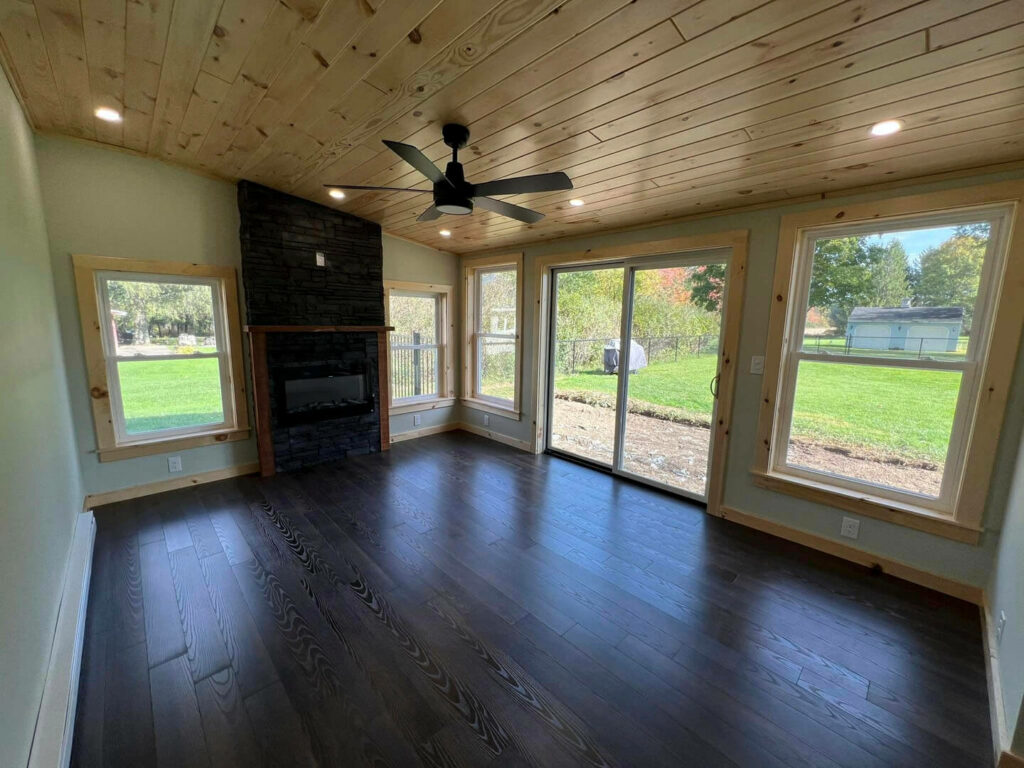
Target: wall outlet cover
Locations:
point(174, 463)
point(321, 259)
point(487, 419)
point(850, 528)
point(757, 364)
point(416, 419)
point(1000, 626)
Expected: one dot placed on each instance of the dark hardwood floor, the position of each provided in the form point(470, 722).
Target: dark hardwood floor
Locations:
point(458, 603)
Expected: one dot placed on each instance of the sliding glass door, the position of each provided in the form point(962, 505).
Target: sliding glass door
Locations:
point(634, 366)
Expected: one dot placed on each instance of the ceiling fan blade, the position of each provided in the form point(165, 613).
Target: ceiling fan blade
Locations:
point(430, 214)
point(507, 209)
point(417, 160)
point(541, 182)
point(376, 189)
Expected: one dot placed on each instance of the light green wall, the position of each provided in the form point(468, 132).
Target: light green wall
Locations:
point(40, 484)
point(961, 562)
point(110, 203)
point(404, 260)
point(1006, 593)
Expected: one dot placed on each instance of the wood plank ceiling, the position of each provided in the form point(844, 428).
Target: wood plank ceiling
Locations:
point(656, 108)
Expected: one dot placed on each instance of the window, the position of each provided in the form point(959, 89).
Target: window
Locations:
point(493, 305)
point(420, 358)
point(887, 340)
point(163, 346)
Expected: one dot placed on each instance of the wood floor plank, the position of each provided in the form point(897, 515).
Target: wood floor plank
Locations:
point(176, 722)
point(230, 740)
point(455, 602)
point(164, 636)
point(205, 648)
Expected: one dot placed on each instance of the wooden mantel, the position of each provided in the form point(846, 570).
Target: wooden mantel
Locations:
point(261, 381)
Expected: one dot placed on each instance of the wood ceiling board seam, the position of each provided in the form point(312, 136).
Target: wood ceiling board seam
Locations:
point(645, 46)
point(624, 24)
point(642, 96)
point(705, 16)
point(65, 44)
point(373, 42)
point(330, 154)
point(238, 26)
point(975, 24)
point(105, 56)
point(182, 59)
point(21, 37)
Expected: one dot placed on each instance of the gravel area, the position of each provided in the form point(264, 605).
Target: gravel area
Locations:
point(677, 454)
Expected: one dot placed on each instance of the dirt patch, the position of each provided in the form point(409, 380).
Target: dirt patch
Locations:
point(676, 453)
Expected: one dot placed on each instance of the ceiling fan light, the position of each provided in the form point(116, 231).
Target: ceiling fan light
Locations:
point(455, 209)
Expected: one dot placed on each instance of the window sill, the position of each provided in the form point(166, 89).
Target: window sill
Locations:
point(919, 518)
point(491, 407)
point(421, 405)
point(167, 445)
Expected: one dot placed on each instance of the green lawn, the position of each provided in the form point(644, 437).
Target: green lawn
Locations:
point(165, 394)
point(898, 412)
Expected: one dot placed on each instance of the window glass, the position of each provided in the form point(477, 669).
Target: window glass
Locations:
point(163, 344)
point(900, 293)
point(495, 344)
point(415, 345)
point(883, 425)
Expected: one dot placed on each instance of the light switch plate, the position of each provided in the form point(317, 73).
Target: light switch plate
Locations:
point(174, 463)
point(757, 364)
point(321, 259)
point(851, 528)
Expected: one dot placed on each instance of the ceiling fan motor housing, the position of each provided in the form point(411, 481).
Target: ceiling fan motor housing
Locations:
point(453, 198)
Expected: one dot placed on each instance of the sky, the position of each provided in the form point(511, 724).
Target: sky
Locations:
point(917, 241)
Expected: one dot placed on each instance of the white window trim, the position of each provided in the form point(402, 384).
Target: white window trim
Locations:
point(113, 442)
point(445, 396)
point(988, 369)
point(471, 337)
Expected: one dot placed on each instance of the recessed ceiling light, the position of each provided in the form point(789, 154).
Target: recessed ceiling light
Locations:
point(444, 233)
point(576, 202)
point(108, 114)
point(886, 127)
point(337, 194)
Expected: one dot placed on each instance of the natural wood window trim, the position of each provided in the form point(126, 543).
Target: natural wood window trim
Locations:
point(446, 326)
point(965, 522)
point(469, 397)
point(107, 446)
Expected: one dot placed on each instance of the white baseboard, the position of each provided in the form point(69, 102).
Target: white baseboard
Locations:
point(135, 491)
point(412, 434)
point(522, 445)
point(55, 724)
point(997, 713)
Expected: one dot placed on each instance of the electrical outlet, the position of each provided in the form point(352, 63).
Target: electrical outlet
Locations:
point(1000, 626)
point(321, 259)
point(174, 463)
point(416, 419)
point(757, 364)
point(850, 529)
point(487, 419)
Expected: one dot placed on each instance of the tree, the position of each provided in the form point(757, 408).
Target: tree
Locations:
point(707, 286)
point(891, 276)
point(951, 271)
point(843, 276)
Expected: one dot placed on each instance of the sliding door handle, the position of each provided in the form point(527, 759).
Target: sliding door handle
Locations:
point(714, 385)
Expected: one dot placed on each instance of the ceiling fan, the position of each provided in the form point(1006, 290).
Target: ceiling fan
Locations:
point(456, 196)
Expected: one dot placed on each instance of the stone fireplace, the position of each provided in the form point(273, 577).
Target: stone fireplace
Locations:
point(315, 305)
